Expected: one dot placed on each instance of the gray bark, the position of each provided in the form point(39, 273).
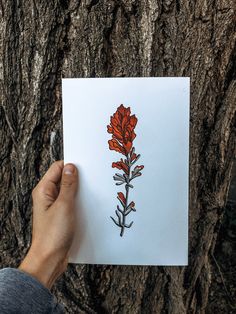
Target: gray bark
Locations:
point(43, 41)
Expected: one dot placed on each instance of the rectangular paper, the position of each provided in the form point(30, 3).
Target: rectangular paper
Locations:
point(129, 138)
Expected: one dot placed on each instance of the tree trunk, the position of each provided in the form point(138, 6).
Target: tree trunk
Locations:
point(43, 41)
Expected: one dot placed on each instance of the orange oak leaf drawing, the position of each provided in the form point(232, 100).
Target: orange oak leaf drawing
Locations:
point(122, 125)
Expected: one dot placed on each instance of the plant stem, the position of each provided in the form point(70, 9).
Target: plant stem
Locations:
point(126, 197)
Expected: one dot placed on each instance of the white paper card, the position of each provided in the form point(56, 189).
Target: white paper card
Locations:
point(152, 116)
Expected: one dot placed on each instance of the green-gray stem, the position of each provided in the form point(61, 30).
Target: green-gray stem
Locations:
point(126, 197)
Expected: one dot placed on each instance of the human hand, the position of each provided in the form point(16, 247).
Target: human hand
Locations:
point(53, 223)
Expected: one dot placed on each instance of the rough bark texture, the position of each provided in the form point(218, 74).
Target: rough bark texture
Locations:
point(42, 41)
point(223, 287)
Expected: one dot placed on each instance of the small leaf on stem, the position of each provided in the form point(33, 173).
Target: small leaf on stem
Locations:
point(129, 225)
point(121, 198)
point(115, 222)
point(118, 208)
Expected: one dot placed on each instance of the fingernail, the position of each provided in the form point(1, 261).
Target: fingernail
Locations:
point(69, 169)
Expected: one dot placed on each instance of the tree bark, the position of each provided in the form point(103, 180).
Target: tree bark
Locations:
point(43, 41)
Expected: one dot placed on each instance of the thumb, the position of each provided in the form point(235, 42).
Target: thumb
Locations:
point(69, 183)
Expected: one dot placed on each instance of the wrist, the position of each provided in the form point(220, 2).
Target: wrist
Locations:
point(44, 267)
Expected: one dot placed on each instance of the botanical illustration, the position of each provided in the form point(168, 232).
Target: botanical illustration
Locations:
point(122, 125)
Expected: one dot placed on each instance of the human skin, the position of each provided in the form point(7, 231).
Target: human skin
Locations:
point(53, 223)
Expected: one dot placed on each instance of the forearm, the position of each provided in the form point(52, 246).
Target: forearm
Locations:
point(46, 268)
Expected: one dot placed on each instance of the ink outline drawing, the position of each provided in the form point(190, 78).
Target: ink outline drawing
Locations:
point(122, 125)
